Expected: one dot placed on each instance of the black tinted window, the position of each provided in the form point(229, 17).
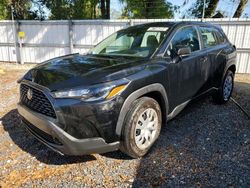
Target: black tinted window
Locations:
point(137, 41)
point(220, 36)
point(208, 36)
point(185, 37)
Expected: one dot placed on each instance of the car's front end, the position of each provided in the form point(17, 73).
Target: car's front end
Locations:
point(70, 124)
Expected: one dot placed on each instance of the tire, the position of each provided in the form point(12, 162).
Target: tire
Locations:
point(142, 121)
point(225, 90)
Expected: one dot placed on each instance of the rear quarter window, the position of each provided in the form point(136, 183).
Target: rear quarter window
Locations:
point(208, 36)
point(220, 36)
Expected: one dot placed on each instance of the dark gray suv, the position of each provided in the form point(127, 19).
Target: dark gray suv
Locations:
point(120, 94)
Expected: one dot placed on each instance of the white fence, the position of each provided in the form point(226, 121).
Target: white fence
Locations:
point(48, 39)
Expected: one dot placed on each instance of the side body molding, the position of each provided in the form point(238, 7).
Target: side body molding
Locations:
point(135, 95)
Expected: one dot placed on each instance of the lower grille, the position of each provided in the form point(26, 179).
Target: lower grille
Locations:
point(45, 136)
point(37, 101)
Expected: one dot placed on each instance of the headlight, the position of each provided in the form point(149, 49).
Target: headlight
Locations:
point(93, 93)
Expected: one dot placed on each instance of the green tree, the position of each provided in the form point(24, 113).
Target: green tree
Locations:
point(22, 9)
point(4, 5)
point(240, 8)
point(105, 9)
point(78, 9)
point(147, 9)
point(210, 10)
point(59, 9)
point(197, 8)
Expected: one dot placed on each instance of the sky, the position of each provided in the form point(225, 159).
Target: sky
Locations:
point(228, 7)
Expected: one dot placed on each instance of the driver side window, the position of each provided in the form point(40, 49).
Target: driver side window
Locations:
point(185, 37)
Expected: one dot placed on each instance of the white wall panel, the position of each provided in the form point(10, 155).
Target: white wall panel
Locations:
point(7, 53)
point(6, 33)
point(40, 54)
point(44, 34)
point(243, 65)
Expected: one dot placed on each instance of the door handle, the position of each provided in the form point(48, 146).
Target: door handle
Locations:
point(203, 59)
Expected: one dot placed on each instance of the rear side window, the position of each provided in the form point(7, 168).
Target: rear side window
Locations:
point(220, 36)
point(185, 37)
point(208, 36)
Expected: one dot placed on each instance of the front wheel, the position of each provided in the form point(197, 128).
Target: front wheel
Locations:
point(141, 127)
point(225, 91)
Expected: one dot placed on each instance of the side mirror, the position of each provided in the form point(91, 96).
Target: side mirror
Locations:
point(184, 51)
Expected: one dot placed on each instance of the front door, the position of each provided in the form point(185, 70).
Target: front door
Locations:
point(185, 76)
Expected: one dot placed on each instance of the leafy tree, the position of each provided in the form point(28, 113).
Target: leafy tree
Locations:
point(38, 10)
point(219, 14)
point(4, 9)
point(240, 8)
point(94, 4)
point(147, 9)
point(22, 9)
point(197, 8)
point(60, 9)
point(105, 9)
point(210, 10)
point(78, 9)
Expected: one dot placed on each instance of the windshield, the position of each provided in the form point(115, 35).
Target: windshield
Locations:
point(136, 42)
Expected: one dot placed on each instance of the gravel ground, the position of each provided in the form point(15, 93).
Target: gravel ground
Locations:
point(207, 145)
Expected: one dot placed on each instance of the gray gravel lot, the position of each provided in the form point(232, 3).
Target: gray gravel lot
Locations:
point(206, 145)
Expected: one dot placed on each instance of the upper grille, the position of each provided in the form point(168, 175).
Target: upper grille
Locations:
point(39, 102)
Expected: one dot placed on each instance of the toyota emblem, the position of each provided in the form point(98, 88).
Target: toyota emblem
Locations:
point(29, 94)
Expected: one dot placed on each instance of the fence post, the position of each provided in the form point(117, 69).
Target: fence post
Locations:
point(16, 42)
point(131, 22)
point(14, 31)
point(70, 24)
point(20, 40)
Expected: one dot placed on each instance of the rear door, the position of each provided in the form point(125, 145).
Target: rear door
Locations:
point(184, 75)
point(215, 45)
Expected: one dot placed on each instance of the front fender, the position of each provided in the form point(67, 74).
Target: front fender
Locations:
point(135, 95)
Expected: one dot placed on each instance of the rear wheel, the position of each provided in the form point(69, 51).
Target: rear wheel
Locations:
point(225, 91)
point(141, 127)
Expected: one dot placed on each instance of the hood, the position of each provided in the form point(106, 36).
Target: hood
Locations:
point(82, 70)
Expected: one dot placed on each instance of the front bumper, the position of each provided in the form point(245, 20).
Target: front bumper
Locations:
point(46, 130)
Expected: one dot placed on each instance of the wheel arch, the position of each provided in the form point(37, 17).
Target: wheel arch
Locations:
point(232, 68)
point(155, 91)
point(156, 95)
